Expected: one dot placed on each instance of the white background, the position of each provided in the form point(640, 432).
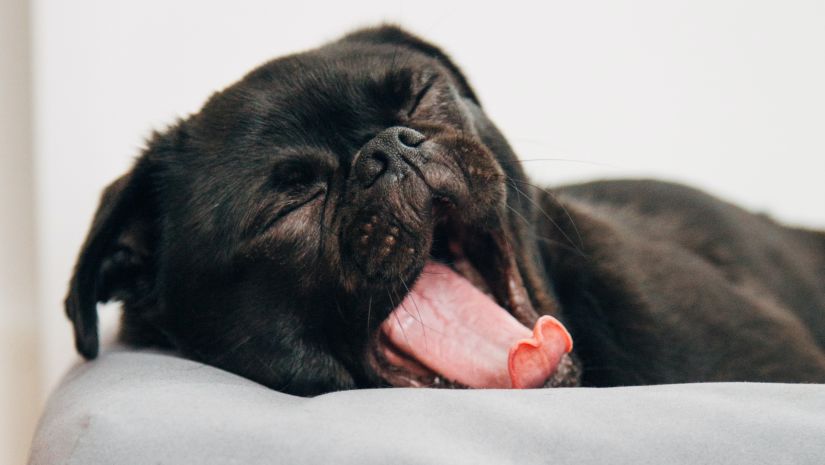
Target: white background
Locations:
point(725, 95)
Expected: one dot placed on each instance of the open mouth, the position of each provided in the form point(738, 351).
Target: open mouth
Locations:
point(468, 322)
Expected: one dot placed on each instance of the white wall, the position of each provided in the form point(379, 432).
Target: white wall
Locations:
point(19, 373)
point(726, 95)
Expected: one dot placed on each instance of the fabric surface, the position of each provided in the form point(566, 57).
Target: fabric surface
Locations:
point(131, 407)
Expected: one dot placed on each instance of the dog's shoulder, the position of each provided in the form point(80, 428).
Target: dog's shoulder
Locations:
point(646, 196)
point(737, 241)
point(666, 212)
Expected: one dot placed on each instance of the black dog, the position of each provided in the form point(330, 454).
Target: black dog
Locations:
point(348, 217)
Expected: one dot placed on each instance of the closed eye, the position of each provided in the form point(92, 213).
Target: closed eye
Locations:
point(298, 172)
point(298, 178)
point(273, 215)
point(425, 89)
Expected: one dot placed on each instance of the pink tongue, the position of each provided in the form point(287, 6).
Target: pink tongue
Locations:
point(454, 329)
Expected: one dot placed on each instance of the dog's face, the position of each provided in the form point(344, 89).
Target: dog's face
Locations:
point(285, 230)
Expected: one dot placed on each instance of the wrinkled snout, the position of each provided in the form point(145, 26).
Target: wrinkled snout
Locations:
point(400, 181)
point(389, 157)
point(390, 204)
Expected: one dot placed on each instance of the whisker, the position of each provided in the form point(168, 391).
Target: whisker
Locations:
point(547, 215)
point(557, 202)
point(557, 243)
point(518, 213)
point(398, 320)
point(563, 160)
point(369, 313)
point(572, 247)
point(417, 310)
point(404, 308)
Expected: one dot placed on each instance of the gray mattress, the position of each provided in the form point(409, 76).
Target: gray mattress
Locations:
point(131, 407)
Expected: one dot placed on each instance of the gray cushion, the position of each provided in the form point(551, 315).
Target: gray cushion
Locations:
point(131, 407)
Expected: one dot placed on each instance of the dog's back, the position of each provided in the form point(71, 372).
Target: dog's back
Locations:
point(714, 292)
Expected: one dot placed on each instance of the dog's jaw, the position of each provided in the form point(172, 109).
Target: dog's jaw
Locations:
point(478, 319)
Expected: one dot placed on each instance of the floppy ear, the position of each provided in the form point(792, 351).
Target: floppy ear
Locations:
point(115, 261)
point(394, 35)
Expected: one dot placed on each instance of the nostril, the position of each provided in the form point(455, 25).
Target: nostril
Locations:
point(373, 166)
point(388, 154)
point(410, 137)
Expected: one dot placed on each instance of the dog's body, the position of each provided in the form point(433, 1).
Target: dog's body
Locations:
point(278, 234)
point(684, 287)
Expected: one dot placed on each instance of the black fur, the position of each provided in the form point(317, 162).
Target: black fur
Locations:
point(237, 237)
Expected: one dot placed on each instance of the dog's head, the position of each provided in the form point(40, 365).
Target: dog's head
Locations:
point(345, 217)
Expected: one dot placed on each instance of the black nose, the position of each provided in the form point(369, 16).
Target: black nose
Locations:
point(388, 154)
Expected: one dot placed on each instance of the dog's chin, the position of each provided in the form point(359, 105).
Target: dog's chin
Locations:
point(469, 322)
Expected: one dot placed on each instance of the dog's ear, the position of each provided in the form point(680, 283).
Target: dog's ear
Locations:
point(394, 35)
point(116, 259)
